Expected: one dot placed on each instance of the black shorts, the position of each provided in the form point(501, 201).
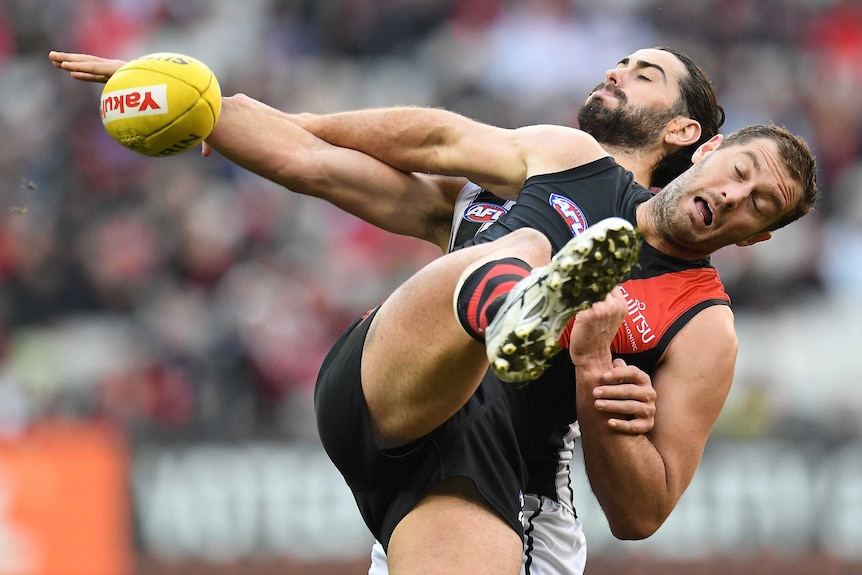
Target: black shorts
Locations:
point(479, 442)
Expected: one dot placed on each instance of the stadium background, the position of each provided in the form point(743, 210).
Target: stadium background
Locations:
point(161, 321)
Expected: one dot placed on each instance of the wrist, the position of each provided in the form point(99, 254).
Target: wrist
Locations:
point(591, 375)
point(595, 360)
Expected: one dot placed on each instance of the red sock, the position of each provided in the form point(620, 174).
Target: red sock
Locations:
point(484, 291)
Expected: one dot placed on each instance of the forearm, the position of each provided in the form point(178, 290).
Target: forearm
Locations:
point(426, 140)
point(410, 139)
point(266, 142)
point(406, 138)
point(625, 471)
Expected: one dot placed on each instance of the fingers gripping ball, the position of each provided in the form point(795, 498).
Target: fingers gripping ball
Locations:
point(161, 104)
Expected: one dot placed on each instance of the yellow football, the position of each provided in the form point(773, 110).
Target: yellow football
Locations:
point(161, 104)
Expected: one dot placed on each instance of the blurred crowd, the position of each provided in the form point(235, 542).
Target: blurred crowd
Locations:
point(184, 297)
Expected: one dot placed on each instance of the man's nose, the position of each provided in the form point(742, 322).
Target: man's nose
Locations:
point(613, 76)
point(732, 197)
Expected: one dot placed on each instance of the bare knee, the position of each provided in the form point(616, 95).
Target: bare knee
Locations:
point(528, 244)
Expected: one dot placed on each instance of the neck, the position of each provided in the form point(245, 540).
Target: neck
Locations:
point(641, 166)
point(638, 162)
point(645, 222)
point(641, 163)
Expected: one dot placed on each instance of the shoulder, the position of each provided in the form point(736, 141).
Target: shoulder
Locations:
point(549, 148)
point(710, 336)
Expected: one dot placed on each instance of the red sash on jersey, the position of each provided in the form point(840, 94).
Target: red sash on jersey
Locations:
point(655, 303)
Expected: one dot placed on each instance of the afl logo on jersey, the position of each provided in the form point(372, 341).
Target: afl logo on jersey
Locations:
point(570, 212)
point(482, 213)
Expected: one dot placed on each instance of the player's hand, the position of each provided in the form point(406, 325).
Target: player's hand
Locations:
point(85, 67)
point(627, 395)
point(595, 327)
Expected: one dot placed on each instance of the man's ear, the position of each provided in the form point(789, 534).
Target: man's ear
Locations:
point(755, 239)
point(707, 147)
point(683, 132)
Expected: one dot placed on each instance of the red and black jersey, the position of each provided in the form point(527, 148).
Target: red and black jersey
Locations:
point(663, 293)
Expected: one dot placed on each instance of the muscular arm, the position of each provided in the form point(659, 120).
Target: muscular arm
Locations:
point(421, 140)
point(263, 140)
point(269, 144)
point(437, 141)
point(639, 478)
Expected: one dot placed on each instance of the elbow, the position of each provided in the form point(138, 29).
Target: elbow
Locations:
point(630, 533)
point(640, 518)
point(635, 528)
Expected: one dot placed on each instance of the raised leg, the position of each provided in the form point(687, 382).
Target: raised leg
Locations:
point(419, 366)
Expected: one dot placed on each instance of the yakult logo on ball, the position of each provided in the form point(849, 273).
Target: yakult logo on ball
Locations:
point(134, 102)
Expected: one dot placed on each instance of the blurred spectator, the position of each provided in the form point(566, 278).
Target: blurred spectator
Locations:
point(7, 42)
point(841, 263)
point(833, 42)
point(543, 56)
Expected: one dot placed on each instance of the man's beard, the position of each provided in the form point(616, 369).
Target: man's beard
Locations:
point(623, 126)
point(670, 221)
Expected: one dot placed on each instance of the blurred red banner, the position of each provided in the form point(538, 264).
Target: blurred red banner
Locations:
point(64, 502)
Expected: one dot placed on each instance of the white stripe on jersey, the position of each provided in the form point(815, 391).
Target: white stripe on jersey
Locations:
point(466, 197)
point(565, 453)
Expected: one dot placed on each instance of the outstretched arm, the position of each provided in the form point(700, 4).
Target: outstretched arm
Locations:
point(426, 140)
point(272, 146)
point(433, 140)
point(436, 141)
point(266, 142)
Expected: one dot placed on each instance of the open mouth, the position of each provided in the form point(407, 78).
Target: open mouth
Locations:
point(704, 210)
